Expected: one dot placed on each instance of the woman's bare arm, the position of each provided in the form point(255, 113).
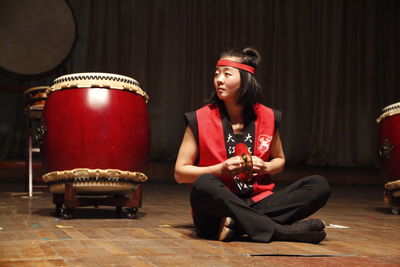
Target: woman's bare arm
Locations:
point(276, 164)
point(187, 172)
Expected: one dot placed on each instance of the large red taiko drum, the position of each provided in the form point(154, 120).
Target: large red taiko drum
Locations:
point(389, 151)
point(95, 133)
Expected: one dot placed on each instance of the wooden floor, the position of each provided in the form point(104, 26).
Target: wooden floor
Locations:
point(163, 235)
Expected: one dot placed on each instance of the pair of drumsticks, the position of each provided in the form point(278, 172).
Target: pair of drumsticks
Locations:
point(247, 172)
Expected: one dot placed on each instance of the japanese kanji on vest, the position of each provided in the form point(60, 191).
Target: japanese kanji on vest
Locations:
point(216, 144)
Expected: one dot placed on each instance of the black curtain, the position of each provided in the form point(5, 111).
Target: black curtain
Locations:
point(329, 66)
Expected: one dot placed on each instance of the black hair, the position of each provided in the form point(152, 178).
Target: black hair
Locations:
point(250, 90)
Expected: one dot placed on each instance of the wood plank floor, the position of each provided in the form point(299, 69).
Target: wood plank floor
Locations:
point(163, 235)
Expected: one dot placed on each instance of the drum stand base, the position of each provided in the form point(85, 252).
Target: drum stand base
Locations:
point(65, 203)
point(392, 200)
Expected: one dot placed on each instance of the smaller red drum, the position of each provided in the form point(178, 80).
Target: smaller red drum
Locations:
point(389, 151)
point(389, 140)
point(36, 97)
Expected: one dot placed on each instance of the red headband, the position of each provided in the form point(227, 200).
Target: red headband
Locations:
point(230, 63)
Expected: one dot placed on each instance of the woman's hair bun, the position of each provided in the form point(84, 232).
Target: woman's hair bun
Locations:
point(251, 56)
point(248, 56)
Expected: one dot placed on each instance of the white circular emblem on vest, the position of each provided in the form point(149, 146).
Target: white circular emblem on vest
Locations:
point(264, 142)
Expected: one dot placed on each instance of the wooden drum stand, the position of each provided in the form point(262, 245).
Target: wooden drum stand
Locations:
point(65, 203)
point(94, 187)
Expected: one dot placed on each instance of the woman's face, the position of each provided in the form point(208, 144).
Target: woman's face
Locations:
point(227, 82)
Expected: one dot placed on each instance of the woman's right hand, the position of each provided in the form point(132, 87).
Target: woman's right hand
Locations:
point(232, 166)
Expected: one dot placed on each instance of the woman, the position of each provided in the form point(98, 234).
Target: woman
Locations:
point(225, 206)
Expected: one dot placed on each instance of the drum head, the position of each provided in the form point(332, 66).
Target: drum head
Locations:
point(389, 111)
point(98, 80)
point(35, 36)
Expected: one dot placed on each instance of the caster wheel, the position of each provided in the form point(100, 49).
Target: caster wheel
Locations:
point(131, 213)
point(67, 214)
point(58, 210)
point(396, 211)
point(118, 211)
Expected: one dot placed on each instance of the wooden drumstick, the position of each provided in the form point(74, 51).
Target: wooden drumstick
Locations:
point(247, 162)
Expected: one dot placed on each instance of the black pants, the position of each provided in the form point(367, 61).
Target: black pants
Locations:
point(211, 200)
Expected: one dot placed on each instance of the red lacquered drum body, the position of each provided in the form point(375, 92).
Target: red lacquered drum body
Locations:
point(389, 140)
point(389, 150)
point(95, 136)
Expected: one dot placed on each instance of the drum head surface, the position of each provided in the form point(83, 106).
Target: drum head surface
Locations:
point(392, 107)
point(388, 111)
point(35, 36)
point(98, 80)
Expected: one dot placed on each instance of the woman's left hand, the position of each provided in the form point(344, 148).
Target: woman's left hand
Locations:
point(260, 167)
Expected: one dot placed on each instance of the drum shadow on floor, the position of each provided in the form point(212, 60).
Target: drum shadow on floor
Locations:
point(90, 213)
point(383, 210)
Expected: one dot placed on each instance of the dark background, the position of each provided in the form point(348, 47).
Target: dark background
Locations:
point(329, 65)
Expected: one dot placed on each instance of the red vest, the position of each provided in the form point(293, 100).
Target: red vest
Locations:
point(213, 151)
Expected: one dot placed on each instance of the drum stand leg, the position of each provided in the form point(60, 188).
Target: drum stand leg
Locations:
point(69, 201)
point(69, 194)
point(392, 201)
point(134, 203)
point(30, 175)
